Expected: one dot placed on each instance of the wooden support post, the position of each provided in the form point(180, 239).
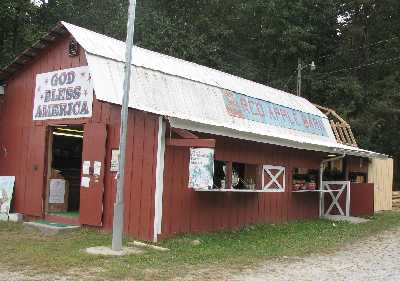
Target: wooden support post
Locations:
point(207, 143)
point(335, 132)
point(340, 130)
point(229, 175)
point(184, 134)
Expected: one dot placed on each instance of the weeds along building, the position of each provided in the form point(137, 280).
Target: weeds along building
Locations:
point(206, 150)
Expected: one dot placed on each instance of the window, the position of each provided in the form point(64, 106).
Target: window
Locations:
point(273, 178)
point(242, 177)
point(245, 176)
point(358, 177)
point(304, 179)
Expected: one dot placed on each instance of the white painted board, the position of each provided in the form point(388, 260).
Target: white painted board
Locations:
point(57, 191)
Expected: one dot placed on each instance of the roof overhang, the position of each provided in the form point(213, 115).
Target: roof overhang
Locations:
point(316, 146)
point(58, 31)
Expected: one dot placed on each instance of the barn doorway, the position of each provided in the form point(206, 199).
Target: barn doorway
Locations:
point(64, 172)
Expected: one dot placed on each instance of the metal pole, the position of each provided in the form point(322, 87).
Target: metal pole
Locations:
point(299, 77)
point(118, 221)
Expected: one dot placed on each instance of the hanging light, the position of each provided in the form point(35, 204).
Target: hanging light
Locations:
point(68, 135)
point(313, 66)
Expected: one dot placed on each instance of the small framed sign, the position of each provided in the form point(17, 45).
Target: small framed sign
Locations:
point(114, 160)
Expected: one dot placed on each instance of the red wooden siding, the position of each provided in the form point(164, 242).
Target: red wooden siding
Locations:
point(22, 140)
point(23, 154)
point(362, 199)
point(91, 198)
point(23, 147)
point(185, 210)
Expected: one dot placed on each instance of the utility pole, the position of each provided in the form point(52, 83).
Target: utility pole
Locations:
point(118, 220)
point(299, 69)
point(299, 77)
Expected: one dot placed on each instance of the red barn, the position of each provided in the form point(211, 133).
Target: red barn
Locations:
point(206, 150)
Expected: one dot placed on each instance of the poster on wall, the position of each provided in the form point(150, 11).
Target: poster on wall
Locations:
point(114, 160)
point(6, 193)
point(57, 191)
point(65, 93)
point(201, 168)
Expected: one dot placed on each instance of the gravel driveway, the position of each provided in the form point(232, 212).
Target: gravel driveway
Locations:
point(374, 259)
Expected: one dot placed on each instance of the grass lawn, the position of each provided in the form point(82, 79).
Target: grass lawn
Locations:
point(62, 254)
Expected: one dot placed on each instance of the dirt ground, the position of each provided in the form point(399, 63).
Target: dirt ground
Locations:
point(376, 258)
point(373, 259)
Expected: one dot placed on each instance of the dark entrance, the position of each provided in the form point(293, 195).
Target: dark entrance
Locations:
point(64, 171)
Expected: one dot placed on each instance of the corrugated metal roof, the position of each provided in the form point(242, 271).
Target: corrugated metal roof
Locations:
point(200, 107)
point(181, 98)
point(107, 47)
point(191, 95)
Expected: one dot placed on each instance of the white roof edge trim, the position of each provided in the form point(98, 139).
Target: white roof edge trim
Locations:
point(103, 46)
point(227, 132)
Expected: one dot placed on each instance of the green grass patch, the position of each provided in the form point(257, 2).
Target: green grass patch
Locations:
point(65, 214)
point(64, 254)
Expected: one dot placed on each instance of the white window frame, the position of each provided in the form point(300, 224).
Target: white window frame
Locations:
point(281, 171)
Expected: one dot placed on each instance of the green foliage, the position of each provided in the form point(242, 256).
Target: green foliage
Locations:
point(354, 43)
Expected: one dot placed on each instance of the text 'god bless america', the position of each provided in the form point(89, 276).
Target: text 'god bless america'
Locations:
point(66, 93)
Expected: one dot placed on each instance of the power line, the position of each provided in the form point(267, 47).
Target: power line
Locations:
point(341, 52)
point(358, 48)
point(360, 66)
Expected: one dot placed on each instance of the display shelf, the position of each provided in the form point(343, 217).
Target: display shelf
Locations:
point(239, 190)
point(316, 190)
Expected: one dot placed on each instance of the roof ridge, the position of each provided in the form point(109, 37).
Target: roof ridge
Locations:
point(180, 60)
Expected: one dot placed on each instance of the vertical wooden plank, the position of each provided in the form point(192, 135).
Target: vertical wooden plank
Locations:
point(35, 172)
point(185, 194)
point(165, 225)
point(137, 177)
point(146, 203)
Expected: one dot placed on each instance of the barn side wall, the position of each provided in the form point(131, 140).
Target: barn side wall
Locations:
point(18, 142)
point(380, 172)
point(186, 210)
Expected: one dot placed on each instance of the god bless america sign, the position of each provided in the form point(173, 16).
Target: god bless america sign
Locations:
point(66, 93)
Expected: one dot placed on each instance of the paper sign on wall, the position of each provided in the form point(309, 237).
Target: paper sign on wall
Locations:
point(86, 167)
point(97, 168)
point(85, 182)
point(66, 93)
point(114, 160)
point(57, 191)
point(201, 168)
point(6, 193)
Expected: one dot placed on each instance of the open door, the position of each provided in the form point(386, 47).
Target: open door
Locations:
point(92, 176)
point(35, 171)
